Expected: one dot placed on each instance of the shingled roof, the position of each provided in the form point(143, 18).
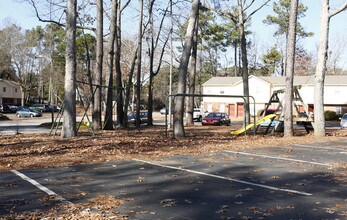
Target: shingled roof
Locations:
point(278, 80)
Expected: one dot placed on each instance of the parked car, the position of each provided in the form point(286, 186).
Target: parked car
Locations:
point(5, 108)
point(343, 122)
point(28, 112)
point(164, 111)
point(13, 108)
point(132, 117)
point(216, 118)
point(198, 114)
point(55, 108)
point(41, 107)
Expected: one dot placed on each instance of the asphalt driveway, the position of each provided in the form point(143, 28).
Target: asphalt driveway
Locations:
point(288, 182)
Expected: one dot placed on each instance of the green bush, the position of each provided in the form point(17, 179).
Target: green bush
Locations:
point(330, 116)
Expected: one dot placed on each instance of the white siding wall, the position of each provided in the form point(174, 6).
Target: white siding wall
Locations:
point(262, 91)
point(10, 90)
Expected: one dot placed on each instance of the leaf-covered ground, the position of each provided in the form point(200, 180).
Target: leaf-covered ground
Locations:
point(38, 151)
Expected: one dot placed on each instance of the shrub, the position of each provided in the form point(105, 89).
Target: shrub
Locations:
point(330, 116)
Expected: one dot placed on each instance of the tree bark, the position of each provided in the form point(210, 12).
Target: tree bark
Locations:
point(110, 63)
point(192, 76)
point(120, 112)
point(290, 60)
point(69, 116)
point(319, 120)
point(98, 66)
point(182, 71)
point(244, 61)
point(138, 73)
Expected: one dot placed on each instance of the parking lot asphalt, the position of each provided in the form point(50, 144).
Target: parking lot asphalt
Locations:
point(286, 182)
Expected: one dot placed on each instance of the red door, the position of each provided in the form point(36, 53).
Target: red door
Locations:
point(239, 110)
point(232, 111)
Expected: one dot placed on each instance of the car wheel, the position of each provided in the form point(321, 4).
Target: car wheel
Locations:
point(31, 116)
point(200, 118)
point(18, 115)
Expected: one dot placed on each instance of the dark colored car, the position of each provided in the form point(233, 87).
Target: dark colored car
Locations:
point(13, 108)
point(143, 117)
point(5, 108)
point(216, 118)
point(41, 107)
point(55, 108)
point(28, 112)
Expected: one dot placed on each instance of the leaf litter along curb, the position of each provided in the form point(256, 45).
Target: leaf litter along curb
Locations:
point(35, 151)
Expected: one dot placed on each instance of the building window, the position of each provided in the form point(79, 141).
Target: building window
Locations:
point(15, 90)
point(4, 89)
point(221, 91)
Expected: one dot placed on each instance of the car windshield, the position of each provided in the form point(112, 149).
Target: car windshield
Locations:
point(344, 117)
point(214, 115)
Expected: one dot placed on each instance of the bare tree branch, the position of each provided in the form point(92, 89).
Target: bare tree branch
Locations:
point(337, 11)
point(125, 5)
point(55, 22)
point(248, 6)
point(220, 12)
point(250, 15)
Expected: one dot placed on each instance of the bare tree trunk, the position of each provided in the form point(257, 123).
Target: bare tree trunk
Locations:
point(192, 76)
point(151, 63)
point(110, 61)
point(98, 67)
point(129, 85)
point(290, 61)
point(119, 81)
point(69, 120)
point(319, 120)
point(153, 45)
point(138, 74)
point(179, 105)
point(244, 60)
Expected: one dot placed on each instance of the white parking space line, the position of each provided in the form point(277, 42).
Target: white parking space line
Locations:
point(39, 186)
point(225, 178)
point(342, 151)
point(277, 158)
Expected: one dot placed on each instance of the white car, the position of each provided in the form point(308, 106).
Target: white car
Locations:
point(198, 114)
point(343, 122)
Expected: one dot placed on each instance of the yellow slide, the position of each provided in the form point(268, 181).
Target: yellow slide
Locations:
point(252, 125)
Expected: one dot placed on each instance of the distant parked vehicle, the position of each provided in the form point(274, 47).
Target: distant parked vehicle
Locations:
point(164, 111)
point(216, 118)
point(28, 112)
point(5, 108)
point(199, 114)
point(143, 117)
point(41, 107)
point(343, 122)
point(55, 108)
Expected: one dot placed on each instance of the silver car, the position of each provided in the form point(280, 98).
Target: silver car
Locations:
point(343, 122)
point(28, 112)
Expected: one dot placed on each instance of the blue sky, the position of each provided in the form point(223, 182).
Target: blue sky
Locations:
point(24, 16)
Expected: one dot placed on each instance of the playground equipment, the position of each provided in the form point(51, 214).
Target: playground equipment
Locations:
point(302, 117)
point(242, 130)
